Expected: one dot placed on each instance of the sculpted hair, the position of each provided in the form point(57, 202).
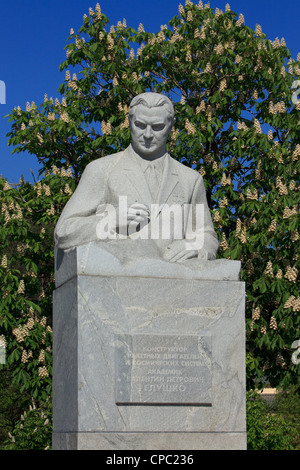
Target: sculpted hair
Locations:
point(152, 100)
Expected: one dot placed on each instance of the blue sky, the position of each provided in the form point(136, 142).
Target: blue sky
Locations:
point(33, 35)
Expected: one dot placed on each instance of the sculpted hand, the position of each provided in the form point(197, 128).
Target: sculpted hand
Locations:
point(177, 251)
point(203, 254)
point(136, 214)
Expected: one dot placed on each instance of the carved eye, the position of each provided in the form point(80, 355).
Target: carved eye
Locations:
point(158, 127)
point(140, 125)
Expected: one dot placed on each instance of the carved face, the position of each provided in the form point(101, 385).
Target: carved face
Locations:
point(150, 128)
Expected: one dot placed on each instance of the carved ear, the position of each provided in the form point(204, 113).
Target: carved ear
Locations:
point(171, 123)
point(130, 120)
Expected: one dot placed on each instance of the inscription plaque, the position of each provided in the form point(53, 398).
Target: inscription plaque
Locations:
point(163, 369)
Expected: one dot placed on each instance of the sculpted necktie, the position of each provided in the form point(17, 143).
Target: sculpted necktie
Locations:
point(152, 179)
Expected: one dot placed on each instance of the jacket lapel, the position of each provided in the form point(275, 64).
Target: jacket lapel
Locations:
point(133, 172)
point(168, 183)
point(137, 180)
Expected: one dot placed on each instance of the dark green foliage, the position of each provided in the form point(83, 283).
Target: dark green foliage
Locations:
point(269, 429)
point(34, 430)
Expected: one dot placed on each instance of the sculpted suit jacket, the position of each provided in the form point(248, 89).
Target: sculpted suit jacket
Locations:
point(107, 178)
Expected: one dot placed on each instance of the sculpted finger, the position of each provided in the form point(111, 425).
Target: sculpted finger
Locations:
point(187, 255)
point(169, 253)
point(139, 206)
point(131, 216)
point(138, 212)
point(177, 256)
point(139, 219)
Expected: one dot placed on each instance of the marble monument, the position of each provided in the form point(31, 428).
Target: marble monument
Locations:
point(149, 334)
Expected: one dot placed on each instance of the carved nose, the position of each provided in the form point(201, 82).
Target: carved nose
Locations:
point(148, 132)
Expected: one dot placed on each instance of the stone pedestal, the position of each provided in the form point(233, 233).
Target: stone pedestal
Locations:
point(148, 355)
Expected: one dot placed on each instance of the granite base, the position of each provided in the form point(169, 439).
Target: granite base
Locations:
point(148, 363)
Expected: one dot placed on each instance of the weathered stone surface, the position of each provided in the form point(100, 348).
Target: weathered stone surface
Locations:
point(179, 441)
point(115, 260)
point(92, 313)
point(163, 369)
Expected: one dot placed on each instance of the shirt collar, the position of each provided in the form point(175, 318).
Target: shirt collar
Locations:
point(144, 163)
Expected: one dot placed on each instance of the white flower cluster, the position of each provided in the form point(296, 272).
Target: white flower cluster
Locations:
point(110, 42)
point(21, 288)
point(282, 189)
point(277, 108)
point(51, 210)
point(189, 16)
point(42, 357)
point(242, 236)
point(223, 202)
point(106, 128)
point(4, 261)
point(26, 355)
point(256, 314)
point(21, 332)
point(125, 124)
point(218, 12)
point(269, 269)
point(47, 190)
point(200, 108)
point(242, 126)
point(6, 186)
point(293, 303)
point(276, 43)
point(98, 11)
point(68, 190)
point(22, 247)
point(258, 30)
point(253, 195)
point(218, 49)
point(223, 243)
point(272, 226)
point(191, 130)
point(226, 180)
point(180, 9)
point(241, 20)
point(291, 274)
point(296, 153)
point(289, 212)
point(43, 372)
point(257, 126)
point(223, 85)
point(176, 37)
point(188, 56)
point(208, 68)
point(279, 274)
point(2, 341)
point(216, 216)
point(238, 227)
point(174, 134)
point(273, 323)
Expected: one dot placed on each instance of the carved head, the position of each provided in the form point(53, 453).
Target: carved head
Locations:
point(151, 117)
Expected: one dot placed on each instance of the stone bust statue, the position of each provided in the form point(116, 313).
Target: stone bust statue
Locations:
point(141, 201)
